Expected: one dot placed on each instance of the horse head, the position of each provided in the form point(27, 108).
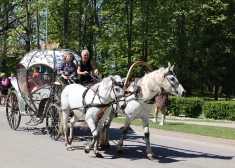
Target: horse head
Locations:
point(170, 82)
point(163, 79)
point(116, 85)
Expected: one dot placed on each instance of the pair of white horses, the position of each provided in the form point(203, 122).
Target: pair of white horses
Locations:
point(96, 105)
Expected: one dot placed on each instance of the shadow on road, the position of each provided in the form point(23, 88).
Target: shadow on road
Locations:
point(135, 151)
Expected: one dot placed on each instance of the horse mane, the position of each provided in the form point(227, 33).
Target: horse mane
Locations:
point(103, 81)
point(150, 83)
point(107, 79)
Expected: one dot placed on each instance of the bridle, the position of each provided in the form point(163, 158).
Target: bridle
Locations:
point(118, 99)
point(173, 85)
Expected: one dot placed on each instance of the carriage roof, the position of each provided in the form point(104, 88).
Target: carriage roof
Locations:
point(49, 58)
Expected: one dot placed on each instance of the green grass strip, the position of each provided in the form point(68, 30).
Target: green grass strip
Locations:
point(212, 131)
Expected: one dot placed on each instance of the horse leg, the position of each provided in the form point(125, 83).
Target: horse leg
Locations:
point(73, 120)
point(124, 133)
point(104, 135)
point(94, 132)
point(64, 122)
point(96, 151)
point(145, 122)
point(163, 116)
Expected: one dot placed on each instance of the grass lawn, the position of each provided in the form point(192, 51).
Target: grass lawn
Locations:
point(212, 131)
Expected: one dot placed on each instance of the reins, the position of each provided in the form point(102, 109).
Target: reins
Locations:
point(98, 105)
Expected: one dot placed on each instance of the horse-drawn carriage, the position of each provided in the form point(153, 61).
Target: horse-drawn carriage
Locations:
point(37, 92)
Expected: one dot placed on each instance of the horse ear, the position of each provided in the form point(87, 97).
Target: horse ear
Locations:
point(167, 70)
point(112, 78)
point(172, 67)
point(169, 64)
point(123, 79)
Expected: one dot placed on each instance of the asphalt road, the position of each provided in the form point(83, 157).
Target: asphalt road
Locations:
point(28, 147)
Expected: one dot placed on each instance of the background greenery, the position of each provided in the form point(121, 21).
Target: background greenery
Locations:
point(200, 108)
point(212, 131)
point(196, 36)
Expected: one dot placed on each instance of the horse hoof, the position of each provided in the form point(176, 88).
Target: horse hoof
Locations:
point(150, 157)
point(98, 155)
point(86, 149)
point(120, 152)
point(69, 149)
point(103, 146)
point(107, 145)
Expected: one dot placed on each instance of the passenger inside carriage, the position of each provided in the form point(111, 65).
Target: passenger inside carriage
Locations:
point(34, 81)
point(85, 67)
point(39, 76)
point(67, 70)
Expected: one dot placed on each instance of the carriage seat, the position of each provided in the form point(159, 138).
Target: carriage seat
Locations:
point(64, 82)
point(58, 80)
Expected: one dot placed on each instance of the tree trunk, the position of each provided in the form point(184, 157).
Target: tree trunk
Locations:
point(66, 23)
point(216, 92)
point(27, 27)
point(37, 29)
point(129, 14)
point(80, 25)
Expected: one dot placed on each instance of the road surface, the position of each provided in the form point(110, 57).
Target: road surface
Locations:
point(28, 147)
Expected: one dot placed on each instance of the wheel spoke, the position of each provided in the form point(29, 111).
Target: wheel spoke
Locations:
point(52, 121)
point(12, 111)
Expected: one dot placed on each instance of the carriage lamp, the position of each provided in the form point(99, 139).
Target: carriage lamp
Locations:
point(46, 76)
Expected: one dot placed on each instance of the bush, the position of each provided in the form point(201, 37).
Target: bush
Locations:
point(189, 107)
point(219, 110)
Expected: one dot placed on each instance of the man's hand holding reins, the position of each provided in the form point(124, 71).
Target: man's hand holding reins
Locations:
point(96, 72)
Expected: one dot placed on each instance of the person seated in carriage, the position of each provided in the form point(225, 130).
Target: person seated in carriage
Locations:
point(85, 67)
point(35, 80)
point(67, 70)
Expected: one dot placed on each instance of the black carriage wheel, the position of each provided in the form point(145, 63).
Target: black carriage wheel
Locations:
point(53, 121)
point(12, 111)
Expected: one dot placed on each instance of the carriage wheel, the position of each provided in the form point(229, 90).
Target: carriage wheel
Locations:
point(12, 111)
point(53, 121)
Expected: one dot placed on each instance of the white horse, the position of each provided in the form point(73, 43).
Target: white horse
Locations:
point(151, 84)
point(94, 103)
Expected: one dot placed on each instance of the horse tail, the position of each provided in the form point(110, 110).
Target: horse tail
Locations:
point(61, 125)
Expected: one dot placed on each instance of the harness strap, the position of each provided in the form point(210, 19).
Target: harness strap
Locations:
point(97, 105)
point(100, 114)
point(83, 97)
point(86, 106)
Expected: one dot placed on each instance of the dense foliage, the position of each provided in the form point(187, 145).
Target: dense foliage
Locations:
point(189, 107)
point(219, 110)
point(196, 36)
point(195, 107)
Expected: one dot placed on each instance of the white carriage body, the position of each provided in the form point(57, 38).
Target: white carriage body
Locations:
point(36, 93)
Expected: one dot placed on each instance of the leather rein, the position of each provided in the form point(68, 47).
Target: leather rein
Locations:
point(98, 105)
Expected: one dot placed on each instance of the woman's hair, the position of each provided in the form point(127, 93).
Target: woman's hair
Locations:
point(71, 54)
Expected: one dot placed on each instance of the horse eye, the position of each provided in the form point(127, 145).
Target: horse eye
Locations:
point(172, 78)
point(117, 89)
